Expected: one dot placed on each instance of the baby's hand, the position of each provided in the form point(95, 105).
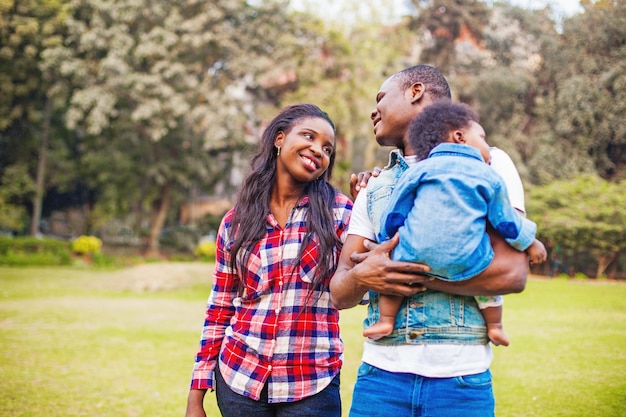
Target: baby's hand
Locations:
point(537, 253)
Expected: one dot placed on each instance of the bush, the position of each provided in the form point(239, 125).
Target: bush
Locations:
point(22, 251)
point(86, 245)
point(180, 238)
point(205, 251)
point(101, 260)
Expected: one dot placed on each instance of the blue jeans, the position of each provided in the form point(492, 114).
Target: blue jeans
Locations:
point(379, 393)
point(326, 403)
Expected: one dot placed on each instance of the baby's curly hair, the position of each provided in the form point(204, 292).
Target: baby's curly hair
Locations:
point(435, 122)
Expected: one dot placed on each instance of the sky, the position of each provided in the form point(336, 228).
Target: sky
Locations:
point(568, 7)
point(562, 8)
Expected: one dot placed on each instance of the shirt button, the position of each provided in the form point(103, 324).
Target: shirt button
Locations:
point(277, 311)
point(269, 368)
point(280, 283)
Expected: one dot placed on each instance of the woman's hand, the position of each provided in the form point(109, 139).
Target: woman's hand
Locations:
point(195, 403)
point(360, 180)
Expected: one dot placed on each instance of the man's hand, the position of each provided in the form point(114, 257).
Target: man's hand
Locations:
point(376, 271)
point(360, 180)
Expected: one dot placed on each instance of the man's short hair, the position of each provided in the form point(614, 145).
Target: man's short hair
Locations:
point(436, 85)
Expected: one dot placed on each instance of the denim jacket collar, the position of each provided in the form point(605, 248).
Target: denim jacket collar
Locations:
point(455, 149)
point(396, 157)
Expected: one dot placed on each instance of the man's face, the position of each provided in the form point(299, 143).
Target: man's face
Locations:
point(394, 110)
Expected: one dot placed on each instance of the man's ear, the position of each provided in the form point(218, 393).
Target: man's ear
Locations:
point(457, 136)
point(417, 92)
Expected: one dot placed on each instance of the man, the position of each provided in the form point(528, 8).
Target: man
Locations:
point(436, 361)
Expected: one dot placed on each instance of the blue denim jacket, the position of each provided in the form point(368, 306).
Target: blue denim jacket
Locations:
point(441, 206)
point(429, 317)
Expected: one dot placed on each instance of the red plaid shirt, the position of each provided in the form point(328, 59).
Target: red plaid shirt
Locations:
point(265, 336)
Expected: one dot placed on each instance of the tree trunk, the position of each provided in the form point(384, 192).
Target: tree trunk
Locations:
point(603, 263)
point(160, 206)
point(613, 268)
point(41, 169)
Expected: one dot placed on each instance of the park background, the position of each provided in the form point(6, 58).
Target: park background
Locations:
point(126, 127)
point(134, 121)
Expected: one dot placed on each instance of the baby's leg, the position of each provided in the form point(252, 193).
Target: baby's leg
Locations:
point(389, 306)
point(493, 318)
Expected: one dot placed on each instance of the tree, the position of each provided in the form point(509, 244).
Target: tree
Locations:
point(511, 90)
point(165, 92)
point(27, 28)
point(449, 26)
point(343, 79)
point(590, 99)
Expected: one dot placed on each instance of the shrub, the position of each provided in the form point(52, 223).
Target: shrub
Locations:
point(28, 250)
point(87, 245)
point(205, 251)
point(181, 238)
point(101, 260)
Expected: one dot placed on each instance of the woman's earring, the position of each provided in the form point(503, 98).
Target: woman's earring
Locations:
point(278, 152)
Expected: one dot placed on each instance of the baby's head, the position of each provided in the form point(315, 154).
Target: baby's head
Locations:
point(446, 121)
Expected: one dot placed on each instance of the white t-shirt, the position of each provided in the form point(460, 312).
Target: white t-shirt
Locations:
point(434, 360)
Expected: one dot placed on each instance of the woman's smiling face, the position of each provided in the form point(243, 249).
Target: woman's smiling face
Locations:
point(306, 149)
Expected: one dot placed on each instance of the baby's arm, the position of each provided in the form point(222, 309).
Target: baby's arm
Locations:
point(537, 252)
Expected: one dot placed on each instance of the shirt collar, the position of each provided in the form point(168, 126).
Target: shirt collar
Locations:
point(444, 149)
point(396, 157)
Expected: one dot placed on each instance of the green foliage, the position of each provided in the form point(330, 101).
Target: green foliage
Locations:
point(591, 97)
point(153, 101)
point(12, 258)
point(205, 251)
point(184, 238)
point(26, 29)
point(87, 245)
point(584, 215)
point(163, 90)
point(445, 21)
point(352, 64)
point(34, 251)
point(15, 188)
point(101, 260)
point(28, 117)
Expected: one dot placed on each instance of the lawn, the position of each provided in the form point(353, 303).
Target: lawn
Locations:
point(95, 343)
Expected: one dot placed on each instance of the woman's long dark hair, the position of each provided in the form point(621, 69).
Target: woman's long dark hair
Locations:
point(253, 203)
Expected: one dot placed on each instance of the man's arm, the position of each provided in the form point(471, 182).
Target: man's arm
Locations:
point(360, 270)
point(506, 274)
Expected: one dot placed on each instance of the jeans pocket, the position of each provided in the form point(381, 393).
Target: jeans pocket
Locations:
point(365, 370)
point(478, 381)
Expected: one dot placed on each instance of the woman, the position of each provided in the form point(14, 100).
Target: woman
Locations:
point(270, 344)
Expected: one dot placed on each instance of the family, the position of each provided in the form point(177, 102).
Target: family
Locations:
point(430, 243)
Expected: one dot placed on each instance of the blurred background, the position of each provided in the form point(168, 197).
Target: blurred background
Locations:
point(132, 122)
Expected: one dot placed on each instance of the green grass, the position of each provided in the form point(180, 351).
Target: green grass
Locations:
point(70, 345)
